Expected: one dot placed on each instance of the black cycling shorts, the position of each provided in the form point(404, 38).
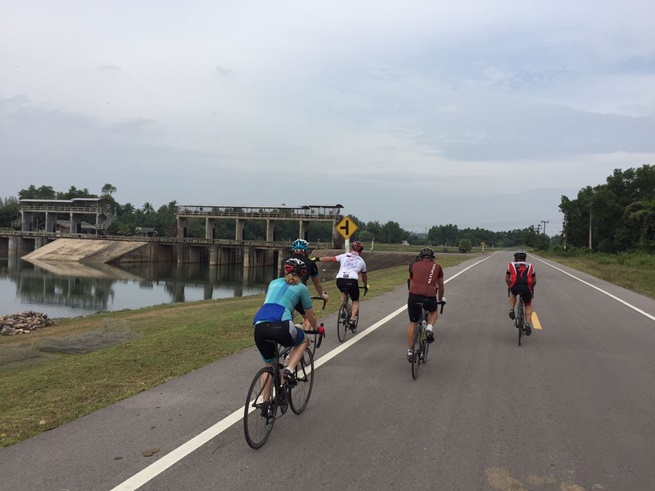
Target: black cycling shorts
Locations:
point(283, 332)
point(524, 290)
point(414, 306)
point(350, 285)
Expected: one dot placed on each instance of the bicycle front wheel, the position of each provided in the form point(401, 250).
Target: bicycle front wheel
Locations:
point(342, 322)
point(300, 394)
point(260, 409)
point(520, 319)
point(426, 348)
point(416, 347)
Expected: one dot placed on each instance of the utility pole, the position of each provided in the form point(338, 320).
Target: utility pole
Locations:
point(591, 219)
point(545, 222)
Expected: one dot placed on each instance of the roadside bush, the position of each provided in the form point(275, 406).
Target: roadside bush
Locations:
point(465, 245)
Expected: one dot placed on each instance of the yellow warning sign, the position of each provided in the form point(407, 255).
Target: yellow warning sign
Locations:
point(346, 227)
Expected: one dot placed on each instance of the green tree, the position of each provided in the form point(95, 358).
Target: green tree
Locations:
point(108, 190)
point(43, 192)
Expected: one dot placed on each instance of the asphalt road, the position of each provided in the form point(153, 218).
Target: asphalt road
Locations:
point(572, 409)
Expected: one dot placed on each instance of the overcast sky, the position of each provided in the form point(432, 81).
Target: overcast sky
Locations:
point(479, 113)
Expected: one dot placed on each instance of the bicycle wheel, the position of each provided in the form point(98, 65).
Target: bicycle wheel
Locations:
point(416, 347)
point(520, 318)
point(299, 395)
point(342, 322)
point(426, 348)
point(311, 341)
point(259, 415)
point(426, 345)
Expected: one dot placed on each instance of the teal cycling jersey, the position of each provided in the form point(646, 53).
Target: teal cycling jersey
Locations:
point(281, 298)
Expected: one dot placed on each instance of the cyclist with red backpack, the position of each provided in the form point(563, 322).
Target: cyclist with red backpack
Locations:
point(521, 280)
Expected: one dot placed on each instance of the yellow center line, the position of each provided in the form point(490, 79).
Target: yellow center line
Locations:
point(535, 320)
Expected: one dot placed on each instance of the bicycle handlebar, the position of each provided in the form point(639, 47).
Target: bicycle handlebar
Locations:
point(320, 298)
point(442, 303)
point(321, 334)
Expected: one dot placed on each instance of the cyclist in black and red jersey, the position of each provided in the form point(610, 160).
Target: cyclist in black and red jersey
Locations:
point(426, 286)
point(299, 250)
point(521, 280)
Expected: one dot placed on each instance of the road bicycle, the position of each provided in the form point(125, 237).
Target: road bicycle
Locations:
point(420, 346)
point(519, 320)
point(343, 319)
point(270, 393)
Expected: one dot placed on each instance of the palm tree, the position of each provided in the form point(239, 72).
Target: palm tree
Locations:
point(148, 208)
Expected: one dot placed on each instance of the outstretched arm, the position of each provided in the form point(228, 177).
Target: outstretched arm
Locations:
point(325, 259)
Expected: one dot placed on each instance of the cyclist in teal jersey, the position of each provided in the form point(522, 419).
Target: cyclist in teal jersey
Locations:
point(273, 321)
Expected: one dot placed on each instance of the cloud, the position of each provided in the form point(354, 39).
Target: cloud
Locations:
point(474, 106)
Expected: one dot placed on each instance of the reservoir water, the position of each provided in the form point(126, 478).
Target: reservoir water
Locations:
point(72, 289)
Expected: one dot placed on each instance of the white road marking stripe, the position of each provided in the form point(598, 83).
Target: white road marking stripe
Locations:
point(637, 309)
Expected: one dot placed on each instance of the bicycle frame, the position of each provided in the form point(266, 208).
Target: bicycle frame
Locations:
point(421, 347)
point(344, 315)
point(519, 322)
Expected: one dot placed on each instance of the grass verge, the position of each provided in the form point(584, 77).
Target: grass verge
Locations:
point(633, 271)
point(46, 380)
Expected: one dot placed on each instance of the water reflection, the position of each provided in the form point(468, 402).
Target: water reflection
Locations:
point(63, 289)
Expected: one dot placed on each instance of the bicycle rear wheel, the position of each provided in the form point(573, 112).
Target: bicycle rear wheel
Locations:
point(342, 322)
point(426, 345)
point(259, 414)
point(520, 318)
point(300, 394)
point(416, 347)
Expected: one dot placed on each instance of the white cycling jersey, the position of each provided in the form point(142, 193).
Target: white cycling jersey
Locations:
point(350, 265)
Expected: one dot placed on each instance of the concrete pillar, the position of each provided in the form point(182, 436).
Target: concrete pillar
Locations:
point(13, 245)
point(50, 222)
point(75, 223)
point(240, 226)
point(26, 221)
point(40, 242)
point(270, 230)
point(302, 232)
point(210, 228)
point(181, 226)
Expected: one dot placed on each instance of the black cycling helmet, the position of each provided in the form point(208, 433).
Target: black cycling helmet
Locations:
point(358, 246)
point(426, 252)
point(520, 255)
point(295, 266)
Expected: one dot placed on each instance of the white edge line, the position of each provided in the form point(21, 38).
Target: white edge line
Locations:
point(637, 309)
point(171, 458)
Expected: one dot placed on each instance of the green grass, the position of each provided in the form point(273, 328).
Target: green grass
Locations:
point(42, 392)
point(635, 271)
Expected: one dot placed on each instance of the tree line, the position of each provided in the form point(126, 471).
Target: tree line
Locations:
point(612, 217)
point(618, 216)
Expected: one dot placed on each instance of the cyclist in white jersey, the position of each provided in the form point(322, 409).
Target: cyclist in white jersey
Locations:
point(350, 265)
